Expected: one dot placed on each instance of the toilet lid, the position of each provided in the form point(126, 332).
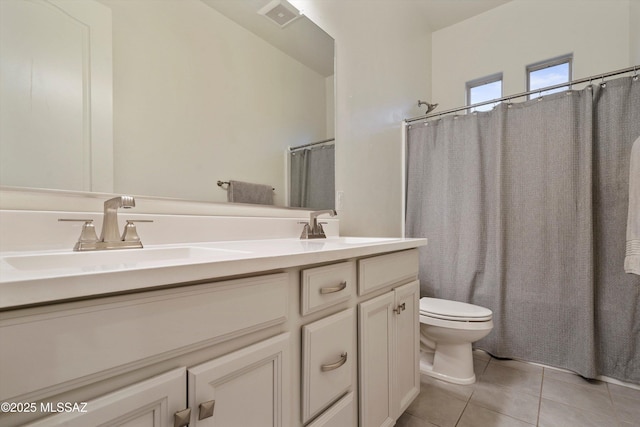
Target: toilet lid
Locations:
point(453, 310)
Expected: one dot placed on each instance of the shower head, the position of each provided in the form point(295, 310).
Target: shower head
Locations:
point(430, 107)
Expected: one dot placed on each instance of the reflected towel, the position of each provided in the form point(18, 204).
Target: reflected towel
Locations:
point(246, 192)
point(632, 258)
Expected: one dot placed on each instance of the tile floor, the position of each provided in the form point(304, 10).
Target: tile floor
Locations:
point(509, 393)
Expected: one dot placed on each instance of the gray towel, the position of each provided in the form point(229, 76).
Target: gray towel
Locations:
point(632, 258)
point(246, 192)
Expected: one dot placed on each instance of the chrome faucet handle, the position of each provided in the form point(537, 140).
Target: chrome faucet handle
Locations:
point(306, 231)
point(87, 235)
point(130, 233)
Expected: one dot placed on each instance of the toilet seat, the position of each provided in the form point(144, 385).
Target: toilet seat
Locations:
point(453, 310)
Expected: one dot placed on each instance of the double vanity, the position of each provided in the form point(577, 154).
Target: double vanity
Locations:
point(246, 332)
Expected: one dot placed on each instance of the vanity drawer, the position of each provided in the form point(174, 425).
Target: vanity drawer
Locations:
point(385, 270)
point(328, 357)
point(87, 339)
point(325, 286)
point(341, 414)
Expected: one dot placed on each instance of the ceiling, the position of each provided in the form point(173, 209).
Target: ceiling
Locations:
point(301, 39)
point(311, 46)
point(439, 14)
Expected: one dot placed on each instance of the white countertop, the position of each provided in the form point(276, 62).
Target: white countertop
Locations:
point(28, 278)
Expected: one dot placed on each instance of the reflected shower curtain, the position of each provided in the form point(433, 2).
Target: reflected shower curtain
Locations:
point(525, 210)
point(312, 177)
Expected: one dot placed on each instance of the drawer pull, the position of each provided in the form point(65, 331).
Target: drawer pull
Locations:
point(332, 366)
point(332, 289)
point(182, 418)
point(402, 307)
point(206, 409)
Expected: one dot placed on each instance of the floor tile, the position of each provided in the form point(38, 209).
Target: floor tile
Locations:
point(627, 409)
point(572, 378)
point(479, 366)
point(618, 390)
point(521, 406)
point(477, 416)
point(555, 414)
point(481, 354)
point(590, 398)
point(408, 420)
point(515, 379)
point(511, 393)
point(437, 406)
point(462, 392)
point(516, 364)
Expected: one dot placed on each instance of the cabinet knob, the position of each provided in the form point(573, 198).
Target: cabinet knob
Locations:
point(206, 409)
point(182, 418)
point(336, 365)
point(332, 289)
point(402, 307)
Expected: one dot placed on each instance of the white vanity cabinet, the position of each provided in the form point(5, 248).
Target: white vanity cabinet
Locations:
point(150, 403)
point(215, 332)
point(249, 388)
point(388, 339)
point(331, 342)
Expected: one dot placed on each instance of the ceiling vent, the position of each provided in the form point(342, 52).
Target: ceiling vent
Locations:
point(280, 12)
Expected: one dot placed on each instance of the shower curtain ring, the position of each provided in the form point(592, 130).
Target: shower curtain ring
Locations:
point(603, 84)
point(635, 74)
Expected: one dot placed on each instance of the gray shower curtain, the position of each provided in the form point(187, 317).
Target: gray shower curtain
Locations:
point(525, 210)
point(312, 177)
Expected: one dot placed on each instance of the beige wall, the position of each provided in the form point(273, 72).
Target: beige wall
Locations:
point(634, 26)
point(330, 96)
point(383, 63)
point(508, 38)
point(181, 120)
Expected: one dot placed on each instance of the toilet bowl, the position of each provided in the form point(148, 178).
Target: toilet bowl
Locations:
point(447, 330)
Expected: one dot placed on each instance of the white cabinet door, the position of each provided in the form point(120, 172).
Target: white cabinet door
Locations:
point(407, 349)
point(388, 340)
point(249, 387)
point(375, 357)
point(151, 403)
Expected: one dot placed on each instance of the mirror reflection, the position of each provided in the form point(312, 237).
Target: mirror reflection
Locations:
point(166, 98)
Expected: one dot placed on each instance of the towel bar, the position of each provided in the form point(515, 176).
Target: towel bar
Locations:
point(221, 183)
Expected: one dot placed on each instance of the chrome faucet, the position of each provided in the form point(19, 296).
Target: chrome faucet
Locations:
point(110, 229)
point(110, 237)
point(313, 229)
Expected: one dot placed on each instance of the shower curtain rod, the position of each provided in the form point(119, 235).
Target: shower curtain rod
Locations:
point(300, 147)
point(635, 69)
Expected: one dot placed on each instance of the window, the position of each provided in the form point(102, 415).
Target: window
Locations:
point(484, 89)
point(549, 73)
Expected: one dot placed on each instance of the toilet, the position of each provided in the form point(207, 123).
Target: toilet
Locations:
point(447, 329)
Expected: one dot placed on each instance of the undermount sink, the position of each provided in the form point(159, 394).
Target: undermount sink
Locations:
point(100, 260)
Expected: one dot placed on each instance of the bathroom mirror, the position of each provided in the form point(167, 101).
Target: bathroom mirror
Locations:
point(202, 91)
